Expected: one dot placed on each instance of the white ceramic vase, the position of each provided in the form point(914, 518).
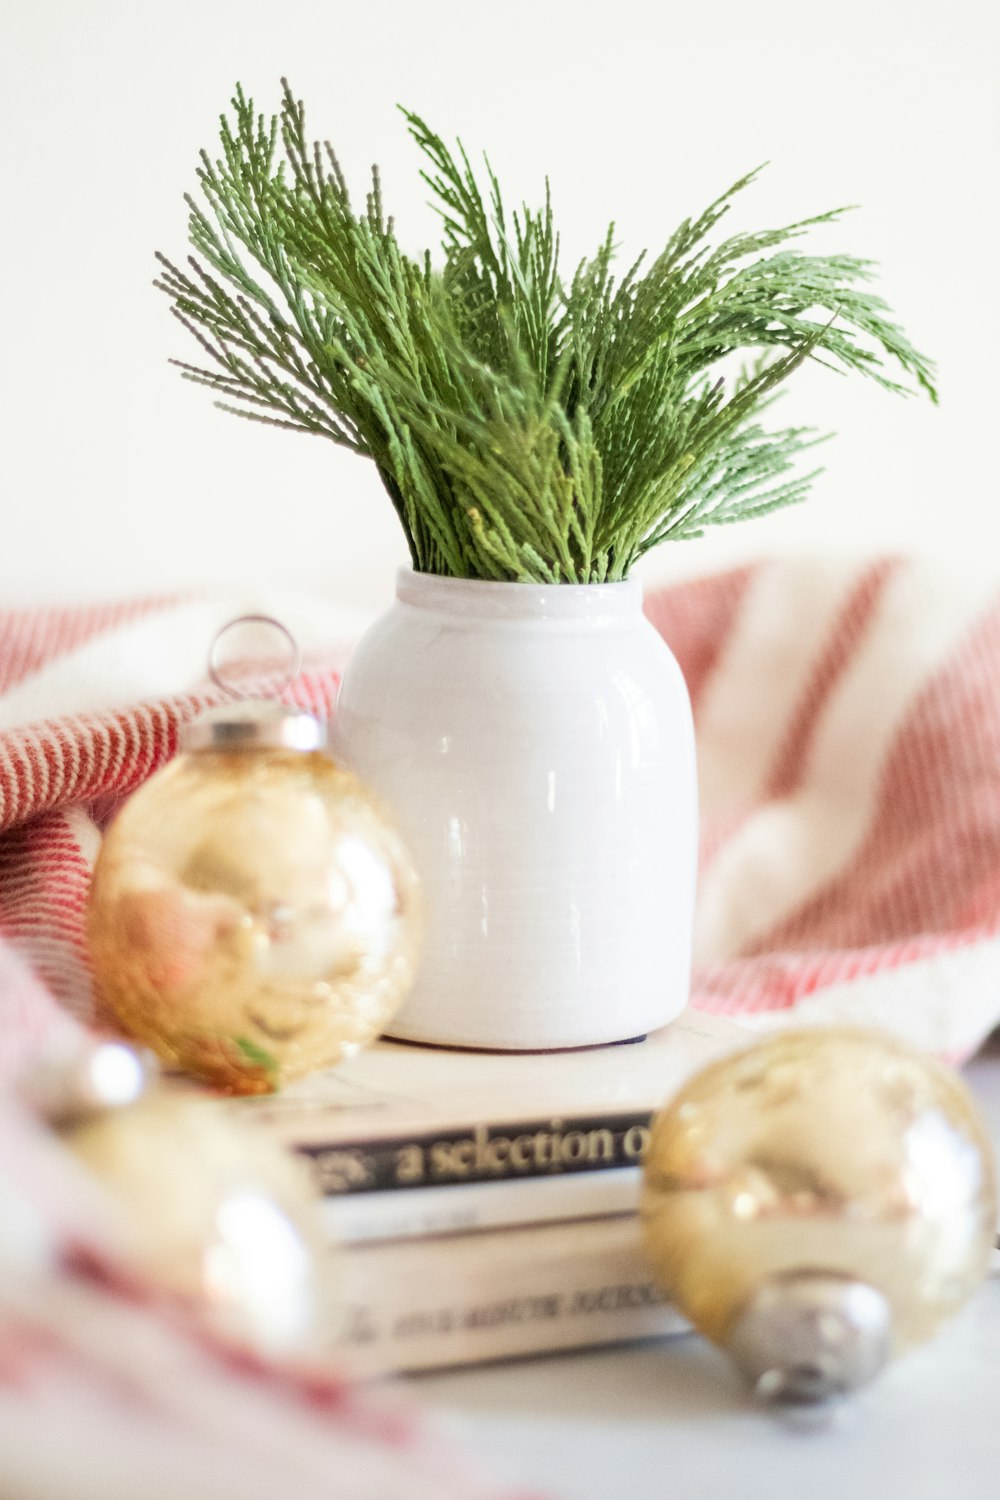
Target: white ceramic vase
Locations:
point(535, 747)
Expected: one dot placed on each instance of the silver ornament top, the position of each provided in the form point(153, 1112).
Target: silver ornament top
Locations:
point(810, 1336)
point(254, 725)
point(85, 1078)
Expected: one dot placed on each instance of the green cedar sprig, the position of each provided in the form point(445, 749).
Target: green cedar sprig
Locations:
point(527, 425)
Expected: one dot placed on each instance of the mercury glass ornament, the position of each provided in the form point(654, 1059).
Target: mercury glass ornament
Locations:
point(818, 1204)
point(212, 1209)
point(253, 915)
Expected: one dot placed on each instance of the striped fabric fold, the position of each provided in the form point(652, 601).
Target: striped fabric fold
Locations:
point(848, 725)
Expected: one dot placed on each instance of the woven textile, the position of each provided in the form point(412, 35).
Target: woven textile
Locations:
point(848, 723)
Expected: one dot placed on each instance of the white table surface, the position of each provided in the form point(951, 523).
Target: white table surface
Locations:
point(670, 1419)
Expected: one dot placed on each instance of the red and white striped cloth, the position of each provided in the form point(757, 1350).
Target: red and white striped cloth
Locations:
point(848, 722)
point(848, 725)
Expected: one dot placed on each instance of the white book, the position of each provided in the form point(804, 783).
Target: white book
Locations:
point(467, 1299)
point(407, 1117)
point(361, 1218)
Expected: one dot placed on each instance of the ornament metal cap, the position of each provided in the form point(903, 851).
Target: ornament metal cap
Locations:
point(811, 1336)
point(254, 725)
point(84, 1079)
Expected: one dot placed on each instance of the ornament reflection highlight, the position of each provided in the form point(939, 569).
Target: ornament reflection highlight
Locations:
point(260, 1260)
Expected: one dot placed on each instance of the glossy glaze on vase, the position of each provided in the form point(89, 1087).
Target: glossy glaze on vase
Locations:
point(534, 745)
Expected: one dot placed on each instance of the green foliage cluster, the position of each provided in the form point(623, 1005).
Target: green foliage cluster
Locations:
point(527, 426)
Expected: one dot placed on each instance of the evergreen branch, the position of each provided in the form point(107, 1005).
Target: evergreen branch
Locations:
point(526, 426)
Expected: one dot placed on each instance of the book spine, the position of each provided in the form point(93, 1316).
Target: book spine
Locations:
point(471, 1299)
point(553, 1145)
point(361, 1218)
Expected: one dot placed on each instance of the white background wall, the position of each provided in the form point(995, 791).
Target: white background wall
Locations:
point(117, 478)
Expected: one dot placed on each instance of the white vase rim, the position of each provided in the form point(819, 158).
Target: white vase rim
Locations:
point(487, 597)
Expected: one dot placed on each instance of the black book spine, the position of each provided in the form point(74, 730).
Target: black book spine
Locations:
point(548, 1146)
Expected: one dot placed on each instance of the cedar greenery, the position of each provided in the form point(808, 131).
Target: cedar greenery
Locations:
point(527, 426)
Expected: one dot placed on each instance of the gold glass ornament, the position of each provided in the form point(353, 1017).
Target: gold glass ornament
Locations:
point(219, 1215)
point(213, 1210)
point(818, 1204)
point(253, 916)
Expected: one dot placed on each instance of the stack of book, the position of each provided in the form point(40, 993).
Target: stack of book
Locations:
point(486, 1204)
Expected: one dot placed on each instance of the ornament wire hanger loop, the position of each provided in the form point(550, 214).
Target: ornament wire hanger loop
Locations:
point(217, 670)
